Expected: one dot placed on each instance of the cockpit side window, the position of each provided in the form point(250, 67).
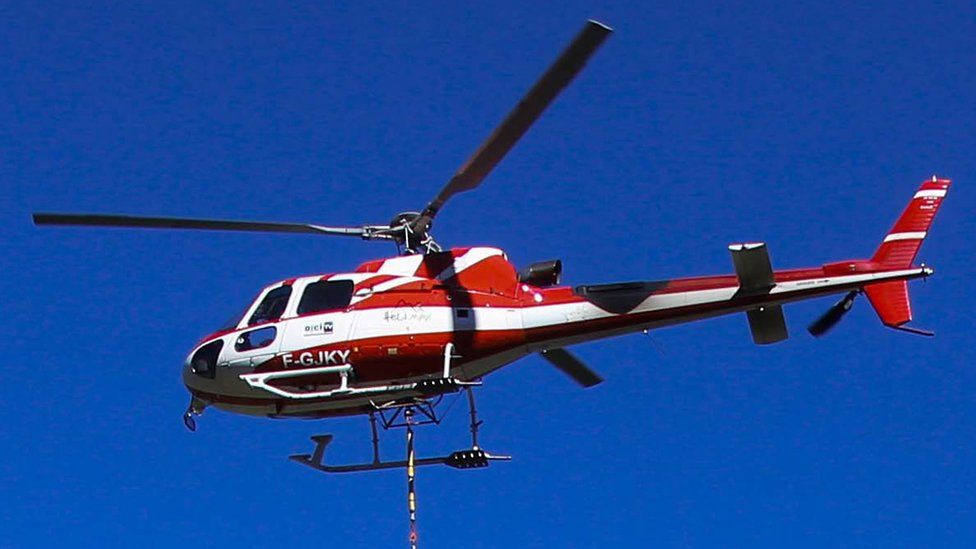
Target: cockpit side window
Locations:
point(255, 339)
point(325, 295)
point(272, 306)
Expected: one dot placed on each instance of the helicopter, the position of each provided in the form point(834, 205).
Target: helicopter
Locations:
point(392, 337)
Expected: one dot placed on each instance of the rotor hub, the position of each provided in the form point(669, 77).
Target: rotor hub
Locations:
point(410, 238)
point(403, 219)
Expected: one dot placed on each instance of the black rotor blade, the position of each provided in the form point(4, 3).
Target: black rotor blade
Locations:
point(518, 121)
point(572, 366)
point(833, 315)
point(100, 220)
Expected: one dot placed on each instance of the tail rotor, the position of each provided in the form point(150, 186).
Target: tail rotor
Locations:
point(833, 315)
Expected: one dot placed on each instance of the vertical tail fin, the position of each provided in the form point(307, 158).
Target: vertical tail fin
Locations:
point(901, 245)
point(890, 299)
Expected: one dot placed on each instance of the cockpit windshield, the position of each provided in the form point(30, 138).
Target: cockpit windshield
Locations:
point(270, 309)
point(234, 320)
point(272, 306)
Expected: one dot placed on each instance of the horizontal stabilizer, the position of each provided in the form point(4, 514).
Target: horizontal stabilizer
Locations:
point(755, 272)
point(768, 325)
point(753, 268)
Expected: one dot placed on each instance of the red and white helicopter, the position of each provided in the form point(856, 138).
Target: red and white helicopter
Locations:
point(394, 335)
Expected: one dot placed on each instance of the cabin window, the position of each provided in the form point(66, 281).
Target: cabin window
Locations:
point(255, 339)
point(325, 295)
point(272, 306)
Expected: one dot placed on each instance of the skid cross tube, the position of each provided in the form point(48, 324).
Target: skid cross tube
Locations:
point(405, 415)
point(401, 414)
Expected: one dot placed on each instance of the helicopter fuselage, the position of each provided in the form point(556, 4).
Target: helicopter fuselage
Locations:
point(344, 344)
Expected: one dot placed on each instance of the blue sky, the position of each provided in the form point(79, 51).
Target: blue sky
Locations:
point(806, 125)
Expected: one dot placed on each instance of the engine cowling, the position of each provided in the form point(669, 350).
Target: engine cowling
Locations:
point(542, 274)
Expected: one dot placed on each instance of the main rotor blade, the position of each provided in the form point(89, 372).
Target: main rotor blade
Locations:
point(518, 121)
point(833, 315)
point(100, 220)
point(572, 366)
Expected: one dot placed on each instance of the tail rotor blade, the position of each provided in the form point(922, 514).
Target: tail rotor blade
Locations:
point(573, 367)
point(833, 315)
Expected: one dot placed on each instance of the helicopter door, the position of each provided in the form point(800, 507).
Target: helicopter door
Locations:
point(321, 316)
point(261, 342)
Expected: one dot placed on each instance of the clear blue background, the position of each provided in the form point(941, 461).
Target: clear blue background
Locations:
point(807, 125)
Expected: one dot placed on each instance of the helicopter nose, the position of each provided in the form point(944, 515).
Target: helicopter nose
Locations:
point(203, 362)
point(200, 368)
point(204, 372)
point(194, 381)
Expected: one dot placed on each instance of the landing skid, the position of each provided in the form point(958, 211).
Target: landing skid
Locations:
point(416, 412)
point(471, 458)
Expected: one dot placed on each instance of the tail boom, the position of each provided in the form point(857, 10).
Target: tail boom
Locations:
point(566, 316)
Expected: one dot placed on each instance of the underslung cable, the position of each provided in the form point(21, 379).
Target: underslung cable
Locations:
point(411, 490)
